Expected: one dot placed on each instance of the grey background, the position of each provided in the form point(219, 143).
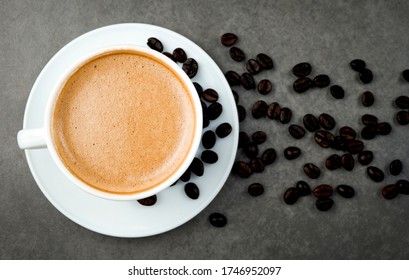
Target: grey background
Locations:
point(328, 34)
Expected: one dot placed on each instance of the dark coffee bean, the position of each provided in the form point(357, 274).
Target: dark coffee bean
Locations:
point(291, 195)
point(208, 139)
point(259, 137)
point(180, 55)
point(303, 187)
point(214, 111)
point(405, 75)
point(217, 220)
point(395, 167)
point(206, 121)
point(269, 156)
point(148, 201)
point(285, 115)
point(402, 117)
point(302, 85)
point(273, 111)
point(169, 55)
point(233, 78)
point(209, 156)
point(204, 106)
point(265, 61)
point(302, 69)
point(324, 204)
point(375, 173)
point(311, 123)
point(368, 132)
point(255, 189)
point(190, 67)
point(403, 186)
point(339, 143)
point(251, 150)
point(324, 138)
point(243, 139)
point(369, 120)
point(241, 111)
point(323, 191)
point(326, 121)
point(228, 39)
point(242, 169)
point(155, 44)
point(236, 54)
point(192, 191)
point(223, 130)
point(259, 109)
point(174, 183)
point(383, 128)
point(198, 88)
point(345, 191)
point(253, 67)
point(366, 76)
point(236, 97)
point(347, 133)
point(247, 81)
point(186, 176)
point(295, 131)
point(291, 153)
point(264, 87)
point(367, 99)
point(390, 191)
point(321, 81)
point(365, 157)
point(312, 171)
point(210, 95)
point(355, 146)
point(357, 65)
point(197, 167)
point(333, 162)
point(256, 165)
point(337, 91)
point(402, 102)
point(348, 162)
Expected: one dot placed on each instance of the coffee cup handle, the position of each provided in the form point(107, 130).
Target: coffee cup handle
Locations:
point(31, 139)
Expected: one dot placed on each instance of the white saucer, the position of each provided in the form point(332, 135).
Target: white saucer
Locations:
point(129, 218)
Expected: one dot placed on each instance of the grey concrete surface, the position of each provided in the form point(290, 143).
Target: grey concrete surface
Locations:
point(328, 34)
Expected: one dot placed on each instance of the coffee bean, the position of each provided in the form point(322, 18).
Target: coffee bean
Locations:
point(206, 121)
point(326, 121)
point(180, 55)
point(303, 187)
point(265, 61)
point(255, 189)
point(324, 204)
point(403, 186)
point(355, 146)
point(208, 139)
point(251, 150)
point(253, 67)
point(269, 156)
point(302, 85)
point(366, 76)
point(291, 153)
point(402, 102)
point(375, 173)
point(237, 54)
point(209, 156)
point(186, 176)
point(198, 88)
point(358, 65)
point(339, 143)
point(217, 220)
point(345, 191)
point(274, 111)
point(169, 55)
point(323, 191)
point(243, 139)
point(285, 115)
point(233, 78)
point(192, 191)
point(312, 171)
point(174, 183)
point(259, 109)
point(236, 97)
point(247, 81)
point(197, 167)
point(291, 195)
point(390, 191)
point(256, 165)
point(155, 44)
point(321, 81)
point(324, 138)
point(348, 162)
point(295, 131)
point(395, 167)
point(369, 120)
point(148, 201)
point(228, 39)
point(190, 67)
point(337, 91)
point(367, 99)
point(333, 162)
point(311, 123)
point(405, 75)
point(264, 87)
point(383, 128)
point(242, 169)
point(241, 111)
point(368, 132)
point(223, 130)
point(259, 137)
point(214, 111)
point(365, 157)
point(347, 133)
point(402, 117)
point(210, 95)
point(302, 69)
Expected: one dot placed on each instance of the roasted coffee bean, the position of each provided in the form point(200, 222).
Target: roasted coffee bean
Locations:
point(355, 146)
point(375, 173)
point(192, 191)
point(235, 96)
point(209, 156)
point(256, 165)
point(247, 81)
point(274, 111)
point(210, 95)
point(369, 120)
point(321, 81)
point(326, 121)
point(367, 99)
point(197, 167)
point(348, 162)
point(312, 171)
point(155, 44)
point(302, 69)
point(259, 137)
point(228, 39)
point(337, 91)
point(323, 191)
point(302, 85)
point(223, 130)
point(324, 138)
point(366, 76)
point(295, 131)
point(403, 186)
point(365, 157)
point(198, 88)
point(148, 201)
point(169, 55)
point(255, 189)
point(291, 195)
point(204, 107)
point(237, 54)
point(186, 176)
point(174, 183)
point(242, 169)
point(241, 111)
point(208, 139)
point(253, 67)
point(402, 102)
point(233, 78)
point(405, 75)
point(291, 153)
point(180, 55)
point(339, 143)
point(357, 65)
point(206, 121)
point(269, 156)
point(383, 128)
point(285, 115)
point(265, 61)
point(368, 132)
point(217, 220)
point(190, 67)
point(345, 191)
point(303, 187)
point(214, 111)
point(390, 191)
point(243, 139)
point(333, 162)
point(324, 204)
point(259, 109)
point(347, 133)
point(311, 123)
point(395, 167)
point(251, 150)
point(264, 87)
point(402, 117)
